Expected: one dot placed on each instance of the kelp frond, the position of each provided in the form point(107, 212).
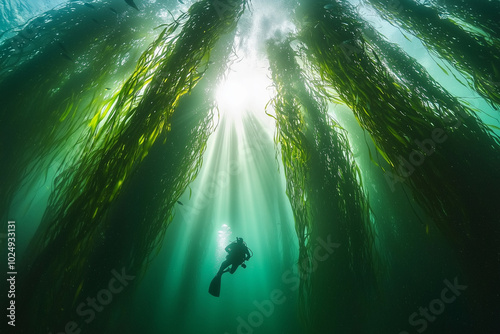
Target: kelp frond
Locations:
point(324, 191)
point(470, 54)
point(120, 136)
point(422, 131)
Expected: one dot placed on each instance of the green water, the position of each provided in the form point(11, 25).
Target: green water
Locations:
point(161, 202)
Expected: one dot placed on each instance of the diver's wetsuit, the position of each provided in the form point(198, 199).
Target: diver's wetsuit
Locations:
point(238, 253)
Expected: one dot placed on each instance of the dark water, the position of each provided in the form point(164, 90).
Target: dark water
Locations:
point(75, 57)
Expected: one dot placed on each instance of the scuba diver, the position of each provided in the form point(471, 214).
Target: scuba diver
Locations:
point(238, 253)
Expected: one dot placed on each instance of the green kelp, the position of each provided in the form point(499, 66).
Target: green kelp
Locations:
point(45, 108)
point(410, 74)
point(138, 223)
point(436, 146)
point(470, 54)
point(141, 115)
point(329, 205)
point(479, 14)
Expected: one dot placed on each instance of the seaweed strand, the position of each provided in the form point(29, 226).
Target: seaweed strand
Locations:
point(328, 202)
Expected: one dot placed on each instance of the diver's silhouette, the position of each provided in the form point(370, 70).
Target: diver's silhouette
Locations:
point(238, 254)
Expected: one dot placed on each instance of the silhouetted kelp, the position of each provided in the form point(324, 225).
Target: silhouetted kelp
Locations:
point(329, 205)
point(470, 54)
point(139, 223)
point(120, 137)
point(435, 146)
point(111, 207)
point(47, 101)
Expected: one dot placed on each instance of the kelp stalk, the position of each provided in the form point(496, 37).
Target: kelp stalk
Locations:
point(327, 200)
point(140, 115)
point(421, 131)
point(45, 108)
point(470, 54)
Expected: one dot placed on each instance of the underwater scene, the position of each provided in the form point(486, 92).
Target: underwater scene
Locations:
point(250, 166)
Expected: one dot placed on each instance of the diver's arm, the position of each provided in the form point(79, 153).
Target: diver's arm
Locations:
point(247, 254)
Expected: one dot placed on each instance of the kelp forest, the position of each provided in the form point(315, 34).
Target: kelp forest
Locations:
point(353, 144)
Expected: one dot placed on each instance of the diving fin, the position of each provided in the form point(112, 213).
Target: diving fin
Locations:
point(214, 288)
